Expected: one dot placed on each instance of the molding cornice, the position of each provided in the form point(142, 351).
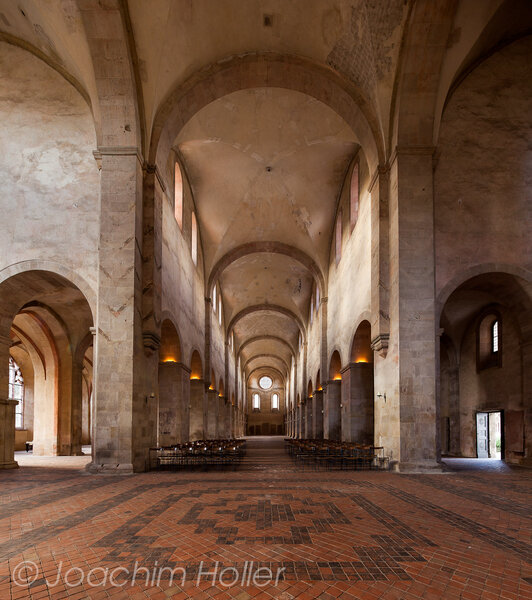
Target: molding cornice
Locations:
point(379, 344)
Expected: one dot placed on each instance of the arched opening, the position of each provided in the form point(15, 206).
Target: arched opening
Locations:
point(482, 375)
point(332, 418)
point(196, 368)
point(173, 389)
point(357, 389)
point(44, 320)
point(197, 398)
point(264, 416)
point(170, 349)
point(335, 367)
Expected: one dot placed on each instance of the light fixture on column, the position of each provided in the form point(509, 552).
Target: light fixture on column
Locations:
point(382, 396)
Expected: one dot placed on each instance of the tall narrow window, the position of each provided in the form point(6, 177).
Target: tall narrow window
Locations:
point(220, 309)
point(311, 309)
point(194, 248)
point(16, 392)
point(317, 297)
point(256, 402)
point(275, 402)
point(214, 304)
point(495, 337)
point(354, 197)
point(178, 196)
point(338, 237)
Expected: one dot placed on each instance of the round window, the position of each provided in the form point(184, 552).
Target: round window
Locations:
point(265, 382)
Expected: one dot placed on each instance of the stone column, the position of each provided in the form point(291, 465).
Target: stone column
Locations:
point(380, 260)
point(309, 422)
point(317, 415)
point(124, 415)
point(332, 423)
point(211, 415)
point(174, 400)
point(7, 407)
point(411, 393)
point(357, 400)
point(7, 434)
point(77, 408)
point(223, 419)
point(197, 410)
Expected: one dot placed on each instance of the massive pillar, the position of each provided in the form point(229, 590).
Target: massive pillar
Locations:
point(317, 415)
point(7, 410)
point(125, 408)
point(357, 400)
point(223, 420)
point(197, 410)
point(174, 400)
point(211, 415)
point(332, 422)
point(407, 384)
point(76, 424)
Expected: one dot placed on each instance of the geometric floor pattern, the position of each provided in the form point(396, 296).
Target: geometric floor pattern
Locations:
point(265, 531)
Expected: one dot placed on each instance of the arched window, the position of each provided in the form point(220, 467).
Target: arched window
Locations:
point(178, 196)
point(317, 297)
point(275, 402)
point(338, 238)
point(256, 402)
point(489, 340)
point(495, 336)
point(220, 309)
point(194, 248)
point(311, 309)
point(355, 190)
point(16, 392)
point(214, 303)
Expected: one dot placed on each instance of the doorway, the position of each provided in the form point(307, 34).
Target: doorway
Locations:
point(489, 435)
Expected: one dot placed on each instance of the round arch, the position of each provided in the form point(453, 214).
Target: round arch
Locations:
point(482, 269)
point(266, 307)
point(267, 247)
point(335, 366)
point(283, 378)
point(257, 356)
point(259, 338)
point(47, 266)
point(266, 69)
point(170, 348)
point(196, 365)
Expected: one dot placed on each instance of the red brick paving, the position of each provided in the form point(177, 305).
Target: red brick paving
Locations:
point(346, 535)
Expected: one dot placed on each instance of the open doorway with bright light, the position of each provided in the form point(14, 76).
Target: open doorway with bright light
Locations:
point(489, 435)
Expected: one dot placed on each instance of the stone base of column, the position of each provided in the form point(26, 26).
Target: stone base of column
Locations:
point(11, 464)
point(110, 469)
point(422, 466)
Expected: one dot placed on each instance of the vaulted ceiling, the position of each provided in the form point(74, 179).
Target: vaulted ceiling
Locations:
point(265, 163)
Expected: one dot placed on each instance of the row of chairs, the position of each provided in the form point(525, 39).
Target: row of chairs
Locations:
point(199, 454)
point(330, 454)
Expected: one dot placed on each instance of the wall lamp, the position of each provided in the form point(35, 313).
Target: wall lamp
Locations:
point(382, 396)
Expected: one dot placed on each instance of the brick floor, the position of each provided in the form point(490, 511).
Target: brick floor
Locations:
point(276, 531)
